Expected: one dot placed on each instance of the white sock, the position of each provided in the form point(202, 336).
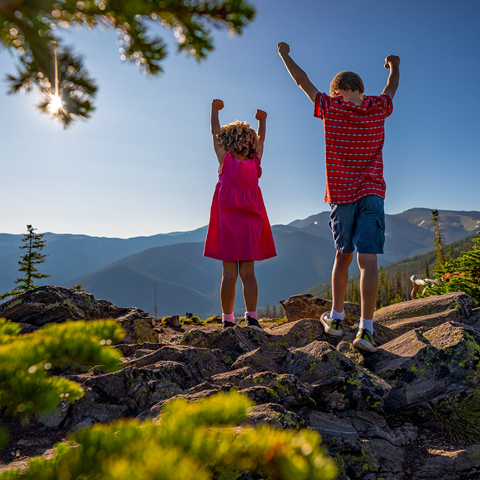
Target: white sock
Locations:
point(337, 316)
point(368, 324)
point(252, 314)
point(228, 317)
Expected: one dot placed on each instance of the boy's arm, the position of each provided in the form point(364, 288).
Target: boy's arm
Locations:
point(217, 105)
point(261, 116)
point(393, 63)
point(300, 77)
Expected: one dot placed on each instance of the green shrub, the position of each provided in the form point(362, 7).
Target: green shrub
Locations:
point(193, 319)
point(467, 265)
point(212, 319)
point(192, 442)
point(197, 320)
point(25, 386)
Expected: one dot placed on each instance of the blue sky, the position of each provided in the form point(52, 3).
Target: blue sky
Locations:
point(144, 164)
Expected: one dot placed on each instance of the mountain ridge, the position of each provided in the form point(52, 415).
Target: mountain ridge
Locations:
point(305, 248)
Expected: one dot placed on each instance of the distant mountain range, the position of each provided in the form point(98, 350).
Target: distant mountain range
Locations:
point(126, 271)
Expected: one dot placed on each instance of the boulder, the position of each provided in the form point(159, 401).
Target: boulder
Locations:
point(425, 366)
point(173, 321)
point(309, 306)
point(452, 306)
point(274, 415)
point(202, 362)
point(233, 342)
point(337, 382)
point(462, 463)
point(261, 360)
point(49, 304)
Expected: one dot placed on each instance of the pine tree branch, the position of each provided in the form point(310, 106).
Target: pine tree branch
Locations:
point(28, 28)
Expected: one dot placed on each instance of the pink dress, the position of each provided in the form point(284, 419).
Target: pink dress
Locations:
point(239, 228)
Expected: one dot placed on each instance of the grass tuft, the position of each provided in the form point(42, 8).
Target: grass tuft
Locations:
point(460, 417)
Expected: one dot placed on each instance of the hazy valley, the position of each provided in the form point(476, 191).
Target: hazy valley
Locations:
point(126, 271)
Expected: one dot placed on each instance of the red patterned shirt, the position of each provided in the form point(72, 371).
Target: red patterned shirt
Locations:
point(354, 137)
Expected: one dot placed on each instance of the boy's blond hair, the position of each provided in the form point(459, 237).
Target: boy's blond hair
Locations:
point(239, 137)
point(346, 81)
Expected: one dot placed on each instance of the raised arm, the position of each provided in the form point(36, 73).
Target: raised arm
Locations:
point(217, 105)
point(261, 116)
point(393, 63)
point(300, 77)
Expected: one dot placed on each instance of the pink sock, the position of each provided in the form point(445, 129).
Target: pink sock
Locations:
point(228, 317)
point(251, 314)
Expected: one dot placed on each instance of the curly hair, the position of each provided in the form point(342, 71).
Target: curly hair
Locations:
point(346, 81)
point(239, 137)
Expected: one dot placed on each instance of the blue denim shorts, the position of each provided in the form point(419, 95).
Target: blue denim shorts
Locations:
point(359, 225)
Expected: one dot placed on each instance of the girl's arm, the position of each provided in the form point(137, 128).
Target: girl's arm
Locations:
point(217, 105)
point(261, 116)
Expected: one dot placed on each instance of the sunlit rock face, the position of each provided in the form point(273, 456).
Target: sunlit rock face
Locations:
point(309, 306)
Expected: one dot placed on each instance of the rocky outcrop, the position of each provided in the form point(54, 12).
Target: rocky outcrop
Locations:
point(429, 311)
point(309, 306)
point(49, 304)
point(372, 410)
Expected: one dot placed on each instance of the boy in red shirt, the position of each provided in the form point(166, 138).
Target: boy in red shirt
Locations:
point(355, 190)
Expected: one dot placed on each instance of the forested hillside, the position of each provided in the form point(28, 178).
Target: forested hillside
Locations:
point(394, 278)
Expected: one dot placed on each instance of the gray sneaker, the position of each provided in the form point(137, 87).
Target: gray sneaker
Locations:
point(332, 327)
point(365, 341)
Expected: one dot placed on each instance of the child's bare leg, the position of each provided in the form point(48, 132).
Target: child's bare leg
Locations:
point(249, 283)
point(227, 287)
point(367, 263)
point(340, 279)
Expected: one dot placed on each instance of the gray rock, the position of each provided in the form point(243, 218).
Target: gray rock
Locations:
point(305, 305)
point(173, 320)
point(451, 465)
point(424, 367)
point(274, 415)
point(54, 418)
point(49, 304)
point(458, 305)
point(337, 382)
point(261, 360)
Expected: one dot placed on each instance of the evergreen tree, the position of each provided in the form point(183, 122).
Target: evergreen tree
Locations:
point(355, 292)
point(328, 295)
point(382, 288)
point(438, 239)
point(398, 285)
point(274, 311)
point(30, 30)
point(451, 253)
point(33, 244)
point(268, 313)
point(427, 270)
point(378, 301)
point(389, 291)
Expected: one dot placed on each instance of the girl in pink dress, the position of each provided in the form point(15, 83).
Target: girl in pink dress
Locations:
point(239, 232)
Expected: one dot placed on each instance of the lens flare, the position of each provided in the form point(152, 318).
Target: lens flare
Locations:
point(55, 104)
